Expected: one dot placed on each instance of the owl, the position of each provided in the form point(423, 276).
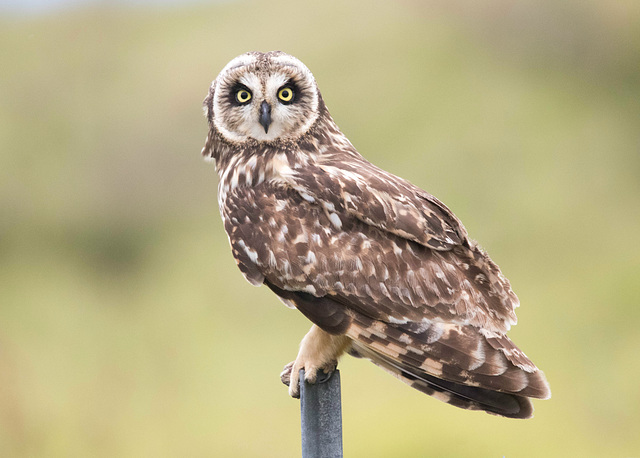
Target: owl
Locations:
point(383, 269)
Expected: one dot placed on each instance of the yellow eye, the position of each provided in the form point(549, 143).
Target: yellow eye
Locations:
point(243, 96)
point(285, 94)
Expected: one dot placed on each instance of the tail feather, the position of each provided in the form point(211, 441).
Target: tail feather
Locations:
point(462, 396)
point(461, 365)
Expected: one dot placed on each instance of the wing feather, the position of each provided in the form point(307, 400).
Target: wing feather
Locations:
point(434, 318)
point(380, 199)
point(381, 275)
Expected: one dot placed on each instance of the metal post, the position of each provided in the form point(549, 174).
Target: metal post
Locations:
point(321, 414)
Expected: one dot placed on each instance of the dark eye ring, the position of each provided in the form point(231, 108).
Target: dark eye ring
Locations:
point(286, 94)
point(243, 96)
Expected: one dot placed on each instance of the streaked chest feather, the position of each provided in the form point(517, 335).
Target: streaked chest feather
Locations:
point(250, 170)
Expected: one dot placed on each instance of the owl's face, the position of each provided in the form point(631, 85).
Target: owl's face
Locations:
point(263, 96)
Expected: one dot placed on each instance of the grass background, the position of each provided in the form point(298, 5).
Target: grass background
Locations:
point(125, 327)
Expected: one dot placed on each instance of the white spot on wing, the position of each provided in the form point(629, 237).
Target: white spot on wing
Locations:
point(307, 197)
point(335, 220)
point(309, 289)
point(253, 255)
point(329, 206)
point(394, 320)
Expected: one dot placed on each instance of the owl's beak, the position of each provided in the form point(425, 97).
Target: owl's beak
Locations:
point(265, 116)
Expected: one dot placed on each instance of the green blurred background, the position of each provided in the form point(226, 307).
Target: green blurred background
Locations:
point(125, 327)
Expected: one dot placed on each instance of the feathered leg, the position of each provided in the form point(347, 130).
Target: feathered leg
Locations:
point(319, 350)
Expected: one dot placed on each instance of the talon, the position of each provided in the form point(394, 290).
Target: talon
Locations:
point(323, 376)
point(320, 374)
point(291, 377)
point(310, 375)
point(294, 385)
point(285, 375)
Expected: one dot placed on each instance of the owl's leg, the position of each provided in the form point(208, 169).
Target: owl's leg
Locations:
point(319, 350)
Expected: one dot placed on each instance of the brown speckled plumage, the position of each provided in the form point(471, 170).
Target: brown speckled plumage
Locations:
point(383, 269)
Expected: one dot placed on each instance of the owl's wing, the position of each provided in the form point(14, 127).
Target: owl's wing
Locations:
point(443, 269)
point(432, 313)
point(380, 199)
point(277, 234)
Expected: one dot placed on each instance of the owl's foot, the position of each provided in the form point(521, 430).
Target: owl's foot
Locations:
point(318, 356)
point(285, 375)
point(290, 375)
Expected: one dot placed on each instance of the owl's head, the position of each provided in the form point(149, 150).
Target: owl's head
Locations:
point(263, 97)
